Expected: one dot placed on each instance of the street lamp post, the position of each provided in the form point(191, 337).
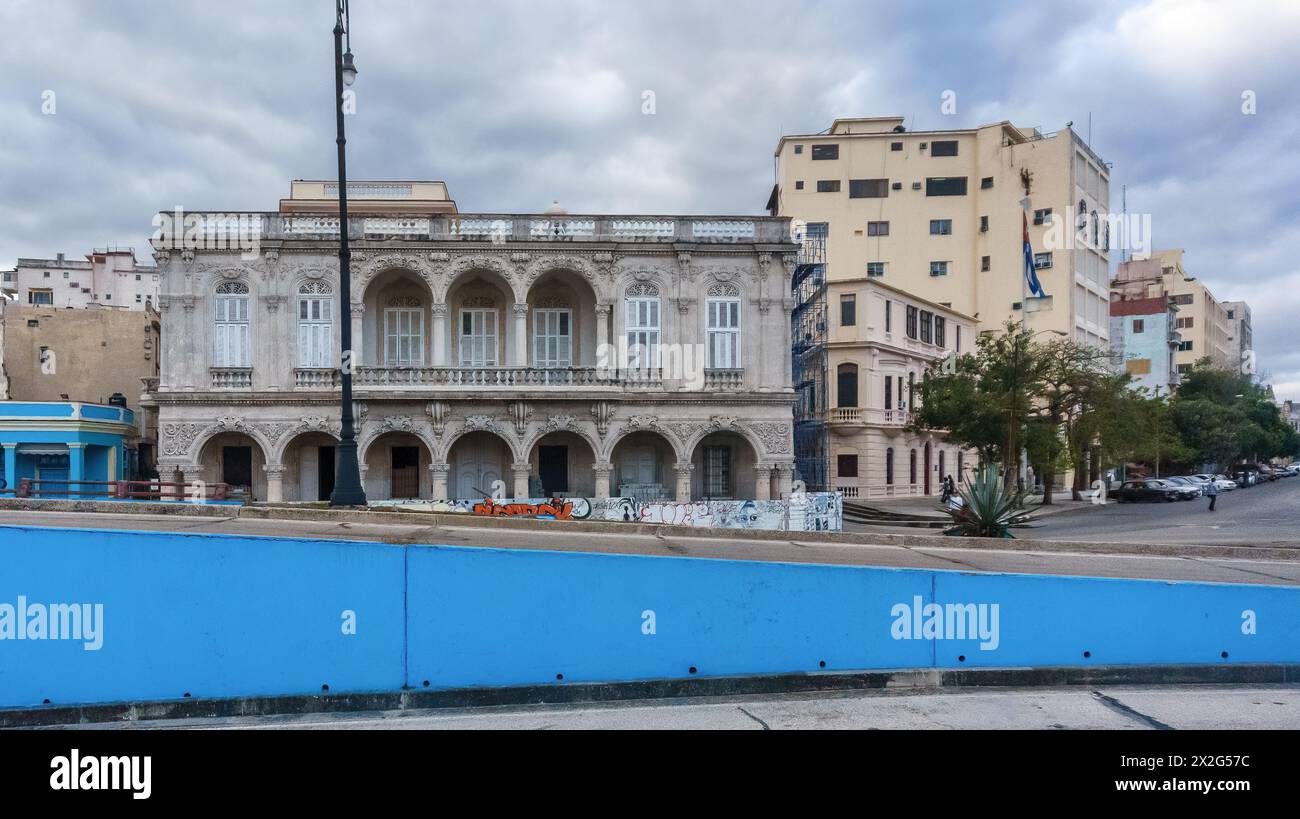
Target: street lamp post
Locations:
point(348, 490)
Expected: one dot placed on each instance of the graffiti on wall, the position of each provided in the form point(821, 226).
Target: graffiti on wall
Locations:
point(803, 512)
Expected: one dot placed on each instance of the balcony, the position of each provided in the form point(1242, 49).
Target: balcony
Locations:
point(315, 379)
point(870, 417)
point(495, 227)
point(232, 378)
point(507, 378)
point(724, 380)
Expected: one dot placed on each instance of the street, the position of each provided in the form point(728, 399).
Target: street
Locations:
point(1120, 708)
point(1259, 516)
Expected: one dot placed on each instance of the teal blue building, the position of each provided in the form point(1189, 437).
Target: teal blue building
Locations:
point(66, 441)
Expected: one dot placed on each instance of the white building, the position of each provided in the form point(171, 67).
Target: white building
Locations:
point(108, 278)
point(480, 352)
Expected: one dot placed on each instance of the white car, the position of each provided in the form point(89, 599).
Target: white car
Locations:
point(1221, 482)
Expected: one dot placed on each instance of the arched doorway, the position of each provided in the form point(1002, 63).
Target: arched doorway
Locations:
point(395, 323)
point(309, 467)
point(565, 464)
point(643, 467)
point(480, 306)
point(479, 464)
point(561, 321)
point(397, 467)
point(237, 459)
point(725, 465)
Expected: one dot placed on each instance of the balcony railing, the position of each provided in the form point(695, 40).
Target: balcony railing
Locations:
point(723, 380)
point(315, 379)
point(509, 377)
point(499, 227)
point(232, 378)
point(876, 417)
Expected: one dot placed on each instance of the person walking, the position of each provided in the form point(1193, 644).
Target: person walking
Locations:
point(1212, 492)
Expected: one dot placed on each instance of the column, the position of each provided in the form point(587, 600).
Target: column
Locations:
point(76, 468)
point(763, 482)
point(358, 335)
point(114, 462)
point(274, 482)
point(440, 351)
point(783, 475)
point(438, 481)
point(192, 476)
point(602, 330)
point(684, 482)
point(603, 471)
point(11, 467)
point(521, 471)
point(521, 339)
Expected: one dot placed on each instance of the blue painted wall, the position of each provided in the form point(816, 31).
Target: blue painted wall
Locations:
point(219, 616)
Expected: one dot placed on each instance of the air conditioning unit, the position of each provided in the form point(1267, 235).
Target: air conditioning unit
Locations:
point(898, 186)
point(916, 186)
point(924, 145)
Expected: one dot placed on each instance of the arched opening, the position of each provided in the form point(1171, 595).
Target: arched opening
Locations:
point(397, 467)
point(480, 309)
point(643, 467)
point(237, 459)
point(561, 321)
point(725, 465)
point(565, 464)
point(395, 325)
point(477, 461)
point(309, 467)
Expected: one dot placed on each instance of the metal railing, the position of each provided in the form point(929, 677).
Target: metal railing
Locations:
point(120, 490)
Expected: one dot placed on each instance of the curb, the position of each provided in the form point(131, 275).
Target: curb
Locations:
point(928, 679)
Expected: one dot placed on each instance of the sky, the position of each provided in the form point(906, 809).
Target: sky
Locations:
point(516, 103)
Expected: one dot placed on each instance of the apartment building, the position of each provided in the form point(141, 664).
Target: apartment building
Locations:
point(107, 278)
point(1203, 325)
point(1240, 328)
point(1144, 342)
point(941, 215)
point(556, 354)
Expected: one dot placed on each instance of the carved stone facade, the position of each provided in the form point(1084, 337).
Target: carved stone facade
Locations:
point(594, 366)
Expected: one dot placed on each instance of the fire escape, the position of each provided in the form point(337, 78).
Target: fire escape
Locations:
point(808, 332)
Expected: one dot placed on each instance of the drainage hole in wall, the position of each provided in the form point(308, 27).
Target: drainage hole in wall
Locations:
point(1224, 655)
point(187, 694)
point(691, 669)
point(426, 683)
point(961, 658)
point(822, 664)
point(559, 676)
point(47, 702)
point(1087, 654)
point(325, 688)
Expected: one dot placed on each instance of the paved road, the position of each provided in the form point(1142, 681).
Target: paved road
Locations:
point(959, 557)
point(1124, 708)
point(1268, 514)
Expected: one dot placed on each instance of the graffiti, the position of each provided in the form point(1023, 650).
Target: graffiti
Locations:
point(803, 512)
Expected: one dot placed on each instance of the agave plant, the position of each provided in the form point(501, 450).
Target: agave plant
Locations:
point(989, 507)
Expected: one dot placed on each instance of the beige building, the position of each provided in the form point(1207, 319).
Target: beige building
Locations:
point(1203, 324)
point(108, 278)
point(939, 214)
point(880, 342)
point(646, 356)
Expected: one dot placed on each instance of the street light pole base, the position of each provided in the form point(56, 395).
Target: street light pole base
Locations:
point(348, 490)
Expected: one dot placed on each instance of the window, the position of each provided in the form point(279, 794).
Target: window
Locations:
point(911, 389)
point(478, 337)
point(868, 188)
point(927, 326)
point(108, 297)
point(315, 325)
point(137, 298)
point(717, 472)
point(1184, 346)
point(1139, 326)
point(947, 147)
point(723, 333)
point(875, 269)
point(945, 186)
point(642, 325)
point(848, 311)
point(986, 262)
point(889, 466)
point(940, 331)
point(137, 277)
point(826, 152)
point(404, 336)
point(231, 339)
point(1184, 369)
point(798, 185)
point(1042, 216)
point(818, 230)
point(1042, 261)
point(846, 466)
point(1184, 299)
point(552, 338)
point(938, 268)
point(958, 338)
point(40, 297)
point(889, 316)
point(984, 224)
point(1184, 323)
point(940, 227)
point(895, 146)
point(912, 467)
point(889, 392)
point(877, 228)
point(1231, 315)
point(911, 321)
point(798, 149)
point(846, 382)
point(828, 186)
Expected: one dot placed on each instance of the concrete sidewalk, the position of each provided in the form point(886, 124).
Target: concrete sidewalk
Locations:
point(927, 507)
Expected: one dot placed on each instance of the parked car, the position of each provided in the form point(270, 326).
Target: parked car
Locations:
point(1265, 473)
point(1188, 489)
point(1146, 490)
point(1225, 483)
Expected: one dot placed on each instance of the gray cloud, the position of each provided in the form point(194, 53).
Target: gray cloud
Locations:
point(219, 105)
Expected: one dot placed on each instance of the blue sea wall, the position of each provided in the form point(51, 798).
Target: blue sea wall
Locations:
point(164, 615)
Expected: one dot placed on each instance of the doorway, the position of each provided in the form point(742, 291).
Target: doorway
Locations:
point(324, 472)
point(553, 469)
point(927, 469)
point(237, 467)
point(404, 474)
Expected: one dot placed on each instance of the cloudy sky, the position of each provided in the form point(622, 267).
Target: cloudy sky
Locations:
point(514, 103)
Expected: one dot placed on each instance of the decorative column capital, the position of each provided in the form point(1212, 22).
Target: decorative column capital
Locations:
point(439, 469)
point(273, 470)
point(683, 469)
point(521, 310)
point(439, 310)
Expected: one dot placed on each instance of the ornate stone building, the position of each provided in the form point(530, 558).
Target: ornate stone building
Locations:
point(584, 356)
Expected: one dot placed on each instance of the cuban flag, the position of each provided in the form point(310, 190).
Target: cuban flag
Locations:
point(1031, 275)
